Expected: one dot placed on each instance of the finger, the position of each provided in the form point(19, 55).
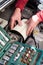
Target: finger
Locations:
point(20, 22)
point(32, 27)
point(28, 30)
point(15, 23)
point(27, 22)
point(12, 23)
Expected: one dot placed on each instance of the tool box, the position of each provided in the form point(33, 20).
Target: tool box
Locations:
point(16, 53)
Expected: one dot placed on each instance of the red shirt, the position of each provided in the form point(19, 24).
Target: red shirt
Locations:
point(21, 4)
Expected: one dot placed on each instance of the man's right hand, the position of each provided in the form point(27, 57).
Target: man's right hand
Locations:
point(15, 17)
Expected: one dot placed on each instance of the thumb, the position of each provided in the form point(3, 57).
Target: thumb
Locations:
point(12, 23)
point(20, 22)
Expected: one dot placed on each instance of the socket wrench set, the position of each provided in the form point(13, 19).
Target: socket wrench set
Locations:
point(16, 53)
point(4, 39)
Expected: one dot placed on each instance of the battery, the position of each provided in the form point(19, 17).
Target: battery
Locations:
point(11, 51)
point(14, 48)
point(3, 62)
point(15, 45)
point(6, 58)
point(9, 54)
point(16, 57)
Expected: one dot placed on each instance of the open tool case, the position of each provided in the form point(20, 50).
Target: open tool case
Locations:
point(4, 39)
point(16, 53)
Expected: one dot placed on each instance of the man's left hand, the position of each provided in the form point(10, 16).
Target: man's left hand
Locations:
point(31, 25)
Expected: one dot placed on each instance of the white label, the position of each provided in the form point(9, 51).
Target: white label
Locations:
point(4, 22)
point(22, 29)
point(21, 49)
point(4, 36)
point(2, 43)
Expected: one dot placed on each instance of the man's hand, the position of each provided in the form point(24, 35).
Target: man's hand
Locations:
point(31, 25)
point(15, 17)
